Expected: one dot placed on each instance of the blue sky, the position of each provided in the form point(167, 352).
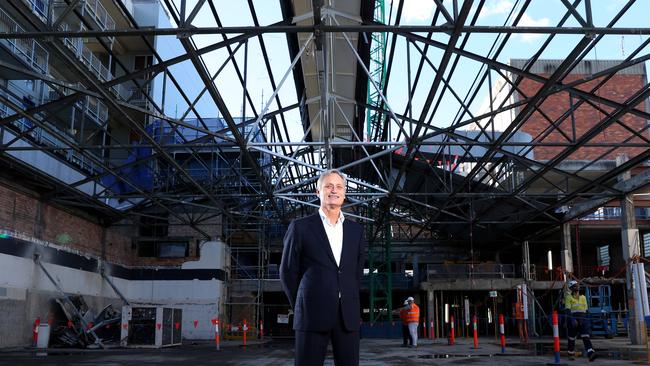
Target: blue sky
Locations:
point(416, 12)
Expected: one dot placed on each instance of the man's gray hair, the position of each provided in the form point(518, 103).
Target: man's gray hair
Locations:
point(324, 174)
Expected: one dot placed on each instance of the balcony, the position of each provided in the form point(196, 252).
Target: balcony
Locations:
point(93, 107)
point(38, 7)
point(92, 62)
point(42, 137)
point(27, 50)
point(93, 12)
point(138, 97)
point(90, 9)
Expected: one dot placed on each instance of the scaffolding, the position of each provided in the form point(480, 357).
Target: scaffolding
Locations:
point(248, 272)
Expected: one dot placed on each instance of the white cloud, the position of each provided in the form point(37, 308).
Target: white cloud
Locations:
point(422, 10)
point(614, 6)
point(527, 21)
point(494, 7)
point(418, 10)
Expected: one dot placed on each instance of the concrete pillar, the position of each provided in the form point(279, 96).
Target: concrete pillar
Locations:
point(631, 249)
point(566, 254)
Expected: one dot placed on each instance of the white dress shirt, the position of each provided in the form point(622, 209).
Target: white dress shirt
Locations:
point(334, 234)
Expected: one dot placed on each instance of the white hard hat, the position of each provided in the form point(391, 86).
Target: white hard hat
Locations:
point(573, 283)
point(410, 299)
point(406, 302)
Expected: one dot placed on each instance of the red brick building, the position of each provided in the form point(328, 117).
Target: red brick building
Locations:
point(550, 124)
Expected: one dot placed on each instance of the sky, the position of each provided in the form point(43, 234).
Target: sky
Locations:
point(415, 12)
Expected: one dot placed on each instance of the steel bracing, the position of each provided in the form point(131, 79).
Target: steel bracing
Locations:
point(474, 127)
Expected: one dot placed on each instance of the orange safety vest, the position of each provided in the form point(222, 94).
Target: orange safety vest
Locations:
point(402, 314)
point(413, 314)
point(519, 311)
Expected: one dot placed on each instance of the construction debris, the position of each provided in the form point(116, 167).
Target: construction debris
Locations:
point(80, 327)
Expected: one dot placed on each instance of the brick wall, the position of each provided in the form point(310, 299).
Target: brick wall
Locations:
point(17, 211)
point(211, 226)
point(23, 212)
point(619, 88)
point(119, 248)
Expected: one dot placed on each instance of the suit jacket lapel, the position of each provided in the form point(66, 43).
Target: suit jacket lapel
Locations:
point(325, 243)
point(346, 241)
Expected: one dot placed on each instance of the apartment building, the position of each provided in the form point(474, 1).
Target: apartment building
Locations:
point(75, 119)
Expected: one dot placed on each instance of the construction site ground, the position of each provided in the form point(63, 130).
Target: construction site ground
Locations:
point(374, 352)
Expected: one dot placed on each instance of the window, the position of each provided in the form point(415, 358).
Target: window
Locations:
point(163, 249)
point(30, 85)
point(141, 63)
point(646, 245)
point(603, 256)
point(173, 249)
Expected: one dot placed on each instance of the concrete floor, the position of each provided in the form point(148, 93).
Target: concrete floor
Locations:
point(374, 352)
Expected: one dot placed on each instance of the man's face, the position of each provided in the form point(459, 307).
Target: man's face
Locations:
point(332, 191)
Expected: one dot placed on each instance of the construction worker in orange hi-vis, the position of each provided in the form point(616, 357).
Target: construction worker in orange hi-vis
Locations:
point(406, 337)
point(522, 327)
point(413, 319)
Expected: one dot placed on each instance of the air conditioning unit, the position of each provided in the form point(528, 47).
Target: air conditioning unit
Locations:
point(151, 326)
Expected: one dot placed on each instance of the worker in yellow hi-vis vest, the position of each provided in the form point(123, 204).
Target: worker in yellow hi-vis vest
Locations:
point(577, 319)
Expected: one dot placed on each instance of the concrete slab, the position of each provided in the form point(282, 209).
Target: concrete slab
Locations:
point(374, 352)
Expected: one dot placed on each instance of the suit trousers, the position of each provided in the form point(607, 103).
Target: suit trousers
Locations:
point(311, 347)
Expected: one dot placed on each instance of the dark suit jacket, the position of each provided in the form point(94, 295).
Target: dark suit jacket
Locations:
point(311, 279)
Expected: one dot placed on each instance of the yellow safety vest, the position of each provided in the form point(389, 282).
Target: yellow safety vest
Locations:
point(578, 305)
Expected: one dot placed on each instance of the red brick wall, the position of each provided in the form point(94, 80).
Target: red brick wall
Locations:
point(118, 246)
point(24, 213)
point(619, 88)
point(17, 211)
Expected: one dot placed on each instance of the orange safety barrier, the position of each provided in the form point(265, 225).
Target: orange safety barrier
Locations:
point(502, 332)
point(452, 335)
point(217, 335)
point(475, 332)
point(37, 322)
point(245, 329)
point(556, 338)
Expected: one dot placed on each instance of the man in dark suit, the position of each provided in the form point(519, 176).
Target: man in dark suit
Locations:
point(321, 270)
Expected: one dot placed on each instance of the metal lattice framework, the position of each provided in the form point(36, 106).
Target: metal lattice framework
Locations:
point(464, 115)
